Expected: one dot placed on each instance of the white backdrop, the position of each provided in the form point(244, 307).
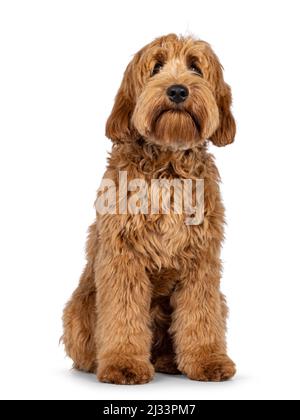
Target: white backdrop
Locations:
point(61, 64)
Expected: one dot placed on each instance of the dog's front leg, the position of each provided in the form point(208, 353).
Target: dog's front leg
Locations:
point(198, 323)
point(123, 333)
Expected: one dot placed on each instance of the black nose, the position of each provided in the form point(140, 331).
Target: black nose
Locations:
point(177, 93)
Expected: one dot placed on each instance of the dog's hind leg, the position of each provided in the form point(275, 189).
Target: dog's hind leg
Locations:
point(79, 316)
point(162, 353)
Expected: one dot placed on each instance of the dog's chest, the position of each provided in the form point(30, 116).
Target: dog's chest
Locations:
point(165, 238)
point(164, 233)
point(167, 227)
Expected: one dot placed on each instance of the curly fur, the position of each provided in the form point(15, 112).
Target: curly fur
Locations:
point(149, 298)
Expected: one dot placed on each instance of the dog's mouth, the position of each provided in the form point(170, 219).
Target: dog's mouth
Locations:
point(183, 112)
point(177, 128)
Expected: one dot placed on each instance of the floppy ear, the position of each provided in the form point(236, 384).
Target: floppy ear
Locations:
point(226, 131)
point(118, 125)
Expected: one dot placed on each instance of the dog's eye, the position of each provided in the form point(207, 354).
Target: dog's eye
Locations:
point(156, 69)
point(195, 69)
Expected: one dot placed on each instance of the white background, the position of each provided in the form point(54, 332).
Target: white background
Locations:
point(61, 64)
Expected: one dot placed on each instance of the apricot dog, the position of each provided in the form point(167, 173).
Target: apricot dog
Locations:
point(149, 298)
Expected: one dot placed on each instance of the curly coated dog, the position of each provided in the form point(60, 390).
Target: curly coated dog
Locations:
point(149, 298)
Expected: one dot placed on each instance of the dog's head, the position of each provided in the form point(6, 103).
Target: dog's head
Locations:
point(173, 94)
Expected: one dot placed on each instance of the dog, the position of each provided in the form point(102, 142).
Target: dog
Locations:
point(149, 297)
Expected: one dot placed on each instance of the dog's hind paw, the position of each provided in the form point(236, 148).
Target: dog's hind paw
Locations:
point(166, 364)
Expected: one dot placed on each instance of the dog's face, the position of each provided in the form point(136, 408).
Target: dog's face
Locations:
point(173, 94)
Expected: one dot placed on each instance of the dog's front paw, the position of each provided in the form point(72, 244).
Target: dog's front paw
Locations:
point(213, 368)
point(125, 371)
